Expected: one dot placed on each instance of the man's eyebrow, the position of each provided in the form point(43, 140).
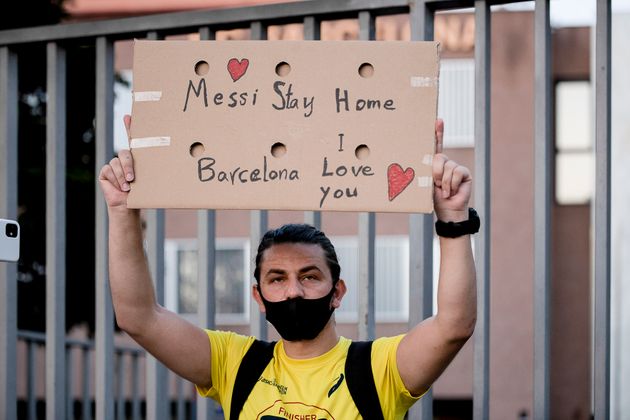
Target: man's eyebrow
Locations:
point(275, 271)
point(309, 268)
point(301, 271)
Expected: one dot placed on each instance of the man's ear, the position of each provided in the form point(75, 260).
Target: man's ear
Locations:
point(257, 298)
point(340, 291)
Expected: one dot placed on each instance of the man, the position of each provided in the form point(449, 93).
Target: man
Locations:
point(298, 288)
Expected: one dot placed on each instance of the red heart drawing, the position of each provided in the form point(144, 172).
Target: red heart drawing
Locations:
point(237, 68)
point(398, 179)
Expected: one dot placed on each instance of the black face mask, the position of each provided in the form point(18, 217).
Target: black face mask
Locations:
point(299, 319)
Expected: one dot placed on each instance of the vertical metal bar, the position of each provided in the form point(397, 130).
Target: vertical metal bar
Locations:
point(180, 398)
point(312, 32)
point(104, 342)
point(69, 397)
point(601, 335)
point(366, 307)
point(258, 227)
point(367, 230)
point(313, 218)
point(86, 406)
point(55, 232)
point(258, 31)
point(30, 374)
point(135, 400)
point(312, 28)
point(481, 368)
point(542, 208)
point(421, 229)
point(367, 26)
point(156, 374)
point(207, 34)
point(206, 262)
point(157, 395)
point(8, 209)
point(120, 382)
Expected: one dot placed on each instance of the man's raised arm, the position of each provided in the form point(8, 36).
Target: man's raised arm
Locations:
point(430, 346)
point(181, 346)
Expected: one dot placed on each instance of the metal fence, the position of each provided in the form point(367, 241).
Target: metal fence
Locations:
point(79, 353)
point(102, 34)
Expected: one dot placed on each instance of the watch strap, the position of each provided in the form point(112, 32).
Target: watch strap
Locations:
point(457, 229)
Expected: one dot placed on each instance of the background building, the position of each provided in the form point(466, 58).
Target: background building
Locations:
point(511, 306)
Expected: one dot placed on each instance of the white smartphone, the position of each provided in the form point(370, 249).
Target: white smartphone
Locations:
point(9, 240)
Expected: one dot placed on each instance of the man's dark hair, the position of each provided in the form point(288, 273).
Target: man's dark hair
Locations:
point(299, 234)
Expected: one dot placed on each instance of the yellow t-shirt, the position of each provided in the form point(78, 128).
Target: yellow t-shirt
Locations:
point(304, 389)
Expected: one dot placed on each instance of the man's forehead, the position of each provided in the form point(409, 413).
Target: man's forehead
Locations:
point(298, 249)
point(294, 254)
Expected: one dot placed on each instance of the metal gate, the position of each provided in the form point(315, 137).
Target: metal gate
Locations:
point(102, 34)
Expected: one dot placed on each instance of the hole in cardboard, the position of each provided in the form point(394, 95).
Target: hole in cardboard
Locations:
point(196, 149)
point(283, 69)
point(366, 70)
point(201, 68)
point(362, 152)
point(278, 150)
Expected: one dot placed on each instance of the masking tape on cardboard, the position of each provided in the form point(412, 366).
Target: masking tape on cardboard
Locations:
point(427, 160)
point(423, 81)
point(424, 181)
point(148, 95)
point(140, 142)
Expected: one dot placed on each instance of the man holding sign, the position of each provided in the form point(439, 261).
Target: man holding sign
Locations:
point(307, 374)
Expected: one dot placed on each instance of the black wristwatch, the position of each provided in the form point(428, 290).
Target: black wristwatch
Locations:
point(457, 229)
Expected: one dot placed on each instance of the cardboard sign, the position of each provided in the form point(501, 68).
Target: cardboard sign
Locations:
point(284, 125)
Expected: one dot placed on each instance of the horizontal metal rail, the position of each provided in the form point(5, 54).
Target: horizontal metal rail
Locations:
point(34, 339)
point(191, 21)
point(40, 338)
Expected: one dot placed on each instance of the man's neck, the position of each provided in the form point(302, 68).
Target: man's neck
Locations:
point(307, 349)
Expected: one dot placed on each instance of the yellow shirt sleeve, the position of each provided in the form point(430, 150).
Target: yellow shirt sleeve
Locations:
point(394, 396)
point(227, 349)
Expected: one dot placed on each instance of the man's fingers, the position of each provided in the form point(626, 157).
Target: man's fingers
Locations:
point(438, 168)
point(460, 174)
point(107, 174)
point(447, 178)
point(117, 168)
point(448, 175)
point(127, 164)
point(439, 135)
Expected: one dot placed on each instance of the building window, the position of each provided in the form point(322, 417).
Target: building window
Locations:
point(575, 167)
point(456, 103)
point(232, 278)
point(391, 278)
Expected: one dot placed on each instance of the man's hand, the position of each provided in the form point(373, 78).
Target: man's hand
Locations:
point(452, 183)
point(115, 176)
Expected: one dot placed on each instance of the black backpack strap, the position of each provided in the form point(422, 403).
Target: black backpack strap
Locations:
point(252, 366)
point(360, 380)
